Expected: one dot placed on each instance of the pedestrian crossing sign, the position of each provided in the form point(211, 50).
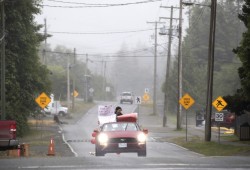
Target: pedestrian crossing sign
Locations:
point(138, 100)
point(219, 103)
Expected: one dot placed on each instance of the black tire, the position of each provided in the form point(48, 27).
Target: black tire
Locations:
point(62, 113)
point(98, 152)
point(142, 153)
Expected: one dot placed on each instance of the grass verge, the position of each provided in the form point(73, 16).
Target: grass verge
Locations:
point(42, 129)
point(37, 137)
point(211, 148)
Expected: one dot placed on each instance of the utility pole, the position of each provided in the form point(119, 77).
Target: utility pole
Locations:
point(210, 70)
point(74, 81)
point(179, 116)
point(86, 79)
point(168, 67)
point(155, 66)
point(104, 80)
point(3, 114)
point(68, 83)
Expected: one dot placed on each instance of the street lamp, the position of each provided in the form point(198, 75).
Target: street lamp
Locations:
point(192, 3)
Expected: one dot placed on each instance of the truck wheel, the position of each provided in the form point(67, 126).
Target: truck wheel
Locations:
point(61, 114)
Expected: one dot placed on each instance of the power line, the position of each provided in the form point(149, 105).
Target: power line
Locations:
point(146, 49)
point(194, 23)
point(98, 33)
point(98, 55)
point(88, 5)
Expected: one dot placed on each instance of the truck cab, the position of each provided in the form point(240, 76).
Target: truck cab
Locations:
point(55, 107)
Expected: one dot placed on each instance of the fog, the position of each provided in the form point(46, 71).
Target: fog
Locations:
point(119, 40)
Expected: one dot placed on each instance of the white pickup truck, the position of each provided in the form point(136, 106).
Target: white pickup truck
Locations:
point(55, 108)
point(126, 97)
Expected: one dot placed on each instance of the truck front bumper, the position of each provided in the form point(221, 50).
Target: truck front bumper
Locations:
point(8, 144)
point(14, 142)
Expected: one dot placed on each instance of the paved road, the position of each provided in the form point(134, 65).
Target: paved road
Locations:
point(153, 163)
point(160, 156)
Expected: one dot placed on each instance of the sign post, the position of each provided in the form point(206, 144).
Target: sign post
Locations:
point(186, 101)
point(219, 117)
point(219, 105)
point(138, 102)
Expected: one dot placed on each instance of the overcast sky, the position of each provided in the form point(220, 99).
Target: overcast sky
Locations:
point(93, 30)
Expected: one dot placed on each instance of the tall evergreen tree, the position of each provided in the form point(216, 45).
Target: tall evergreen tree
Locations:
point(26, 77)
point(243, 51)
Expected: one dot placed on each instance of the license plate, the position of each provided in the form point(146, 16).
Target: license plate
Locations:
point(122, 145)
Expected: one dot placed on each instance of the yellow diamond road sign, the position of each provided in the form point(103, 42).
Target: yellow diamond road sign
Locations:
point(43, 100)
point(219, 103)
point(75, 93)
point(146, 97)
point(186, 101)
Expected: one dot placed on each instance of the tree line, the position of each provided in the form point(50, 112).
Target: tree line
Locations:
point(230, 42)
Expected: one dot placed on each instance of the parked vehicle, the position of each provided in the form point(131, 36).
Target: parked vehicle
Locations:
point(126, 97)
point(228, 119)
point(123, 136)
point(55, 108)
point(8, 135)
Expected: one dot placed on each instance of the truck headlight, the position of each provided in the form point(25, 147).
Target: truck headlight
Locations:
point(141, 138)
point(102, 139)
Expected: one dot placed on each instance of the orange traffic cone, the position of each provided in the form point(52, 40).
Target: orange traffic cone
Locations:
point(18, 151)
point(51, 150)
